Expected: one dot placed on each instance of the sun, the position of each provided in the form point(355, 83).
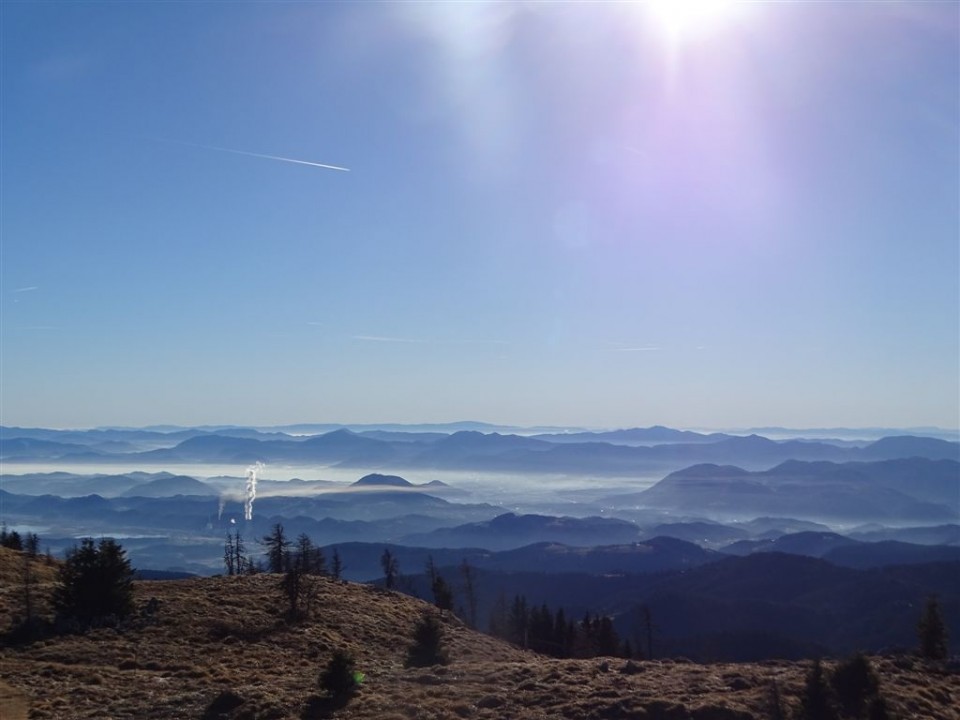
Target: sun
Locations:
point(683, 20)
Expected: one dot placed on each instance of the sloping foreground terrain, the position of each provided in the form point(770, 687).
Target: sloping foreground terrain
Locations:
point(218, 648)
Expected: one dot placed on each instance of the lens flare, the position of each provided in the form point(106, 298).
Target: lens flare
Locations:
point(685, 19)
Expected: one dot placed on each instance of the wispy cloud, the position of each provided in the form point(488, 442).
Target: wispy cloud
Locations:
point(421, 341)
point(255, 154)
point(384, 339)
point(30, 288)
point(627, 346)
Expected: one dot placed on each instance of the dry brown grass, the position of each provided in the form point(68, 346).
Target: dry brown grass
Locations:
point(12, 583)
point(224, 637)
point(13, 703)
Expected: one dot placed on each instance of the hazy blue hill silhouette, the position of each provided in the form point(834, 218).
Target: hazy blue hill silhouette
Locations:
point(809, 543)
point(751, 450)
point(814, 544)
point(774, 527)
point(471, 449)
point(936, 481)
point(473, 441)
point(709, 471)
point(370, 504)
point(51, 506)
point(947, 534)
point(94, 435)
point(907, 446)
point(854, 490)
point(634, 436)
point(171, 486)
point(29, 448)
point(401, 436)
point(509, 530)
point(378, 480)
point(890, 552)
point(342, 445)
point(702, 533)
point(659, 554)
point(70, 485)
point(212, 448)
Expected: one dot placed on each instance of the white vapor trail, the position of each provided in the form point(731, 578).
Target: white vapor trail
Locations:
point(260, 155)
point(251, 489)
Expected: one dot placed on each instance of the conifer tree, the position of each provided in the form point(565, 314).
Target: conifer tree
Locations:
point(277, 545)
point(442, 594)
point(308, 557)
point(932, 631)
point(499, 621)
point(336, 565)
point(470, 592)
point(391, 569)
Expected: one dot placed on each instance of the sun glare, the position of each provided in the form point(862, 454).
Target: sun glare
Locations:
point(685, 19)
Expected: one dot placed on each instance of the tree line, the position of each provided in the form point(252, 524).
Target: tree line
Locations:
point(281, 554)
point(532, 627)
point(552, 633)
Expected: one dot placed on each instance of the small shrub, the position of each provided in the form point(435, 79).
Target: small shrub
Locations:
point(427, 639)
point(339, 677)
point(223, 704)
point(879, 710)
point(854, 682)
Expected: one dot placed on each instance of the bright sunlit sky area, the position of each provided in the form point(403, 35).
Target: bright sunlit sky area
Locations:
point(601, 215)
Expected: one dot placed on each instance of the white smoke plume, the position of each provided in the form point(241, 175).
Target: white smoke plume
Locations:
point(221, 505)
point(251, 489)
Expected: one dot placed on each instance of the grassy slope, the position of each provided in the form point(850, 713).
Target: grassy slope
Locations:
point(223, 634)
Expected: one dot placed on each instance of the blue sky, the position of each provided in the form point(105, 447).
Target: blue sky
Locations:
point(565, 213)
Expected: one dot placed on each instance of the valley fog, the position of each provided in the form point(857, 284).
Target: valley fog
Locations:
point(471, 492)
point(573, 494)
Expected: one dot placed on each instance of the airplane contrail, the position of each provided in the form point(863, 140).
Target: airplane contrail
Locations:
point(259, 155)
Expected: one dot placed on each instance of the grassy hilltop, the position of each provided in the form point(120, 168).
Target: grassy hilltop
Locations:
point(220, 648)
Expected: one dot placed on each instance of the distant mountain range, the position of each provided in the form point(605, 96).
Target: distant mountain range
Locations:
point(511, 531)
point(362, 560)
point(902, 490)
point(623, 452)
point(847, 552)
